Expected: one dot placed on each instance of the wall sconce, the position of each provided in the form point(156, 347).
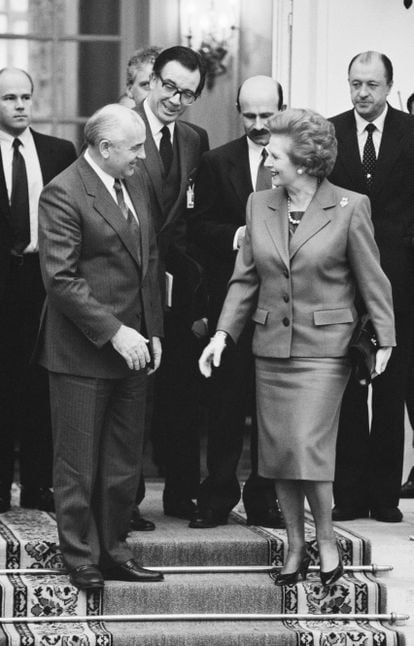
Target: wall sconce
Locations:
point(208, 27)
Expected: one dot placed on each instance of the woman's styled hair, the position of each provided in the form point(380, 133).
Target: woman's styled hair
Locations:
point(314, 145)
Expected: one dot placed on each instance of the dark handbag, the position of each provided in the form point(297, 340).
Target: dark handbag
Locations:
point(362, 351)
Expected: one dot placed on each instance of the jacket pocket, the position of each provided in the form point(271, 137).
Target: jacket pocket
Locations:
point(260, 316)
point(330, 317)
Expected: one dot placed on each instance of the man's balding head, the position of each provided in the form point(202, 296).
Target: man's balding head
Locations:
point(259, 98)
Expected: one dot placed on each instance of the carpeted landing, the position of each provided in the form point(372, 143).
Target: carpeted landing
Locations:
point(28, 541)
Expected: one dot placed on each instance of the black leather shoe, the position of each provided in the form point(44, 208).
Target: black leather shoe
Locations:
point(207, 519)
point(41, 498)
point(268, 518)
point(86, 577)
point(345, 513)
point(132, 571)
point(407, 489)
point(4, 503)
point(182, 508)
point(291, 578)
point(387, 514)
point(329, 578)
point(140, 524)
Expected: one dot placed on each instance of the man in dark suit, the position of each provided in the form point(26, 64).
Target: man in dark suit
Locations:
point(376, 157)
point(172, 152)
point(226, 177)
point(28, 160)
point(102, 324)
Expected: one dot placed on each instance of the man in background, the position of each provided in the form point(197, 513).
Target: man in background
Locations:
point(138, 74)
point(376, 157)
point(173, 149)
point(226, 177)
point(28, 161)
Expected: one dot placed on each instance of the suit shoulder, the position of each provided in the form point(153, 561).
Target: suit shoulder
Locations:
point(344, 118)
point(51, 141)
point(231, 150)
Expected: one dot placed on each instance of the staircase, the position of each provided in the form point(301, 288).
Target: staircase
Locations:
point(218, 590)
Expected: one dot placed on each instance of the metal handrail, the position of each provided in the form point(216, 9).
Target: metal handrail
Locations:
point(392, 618)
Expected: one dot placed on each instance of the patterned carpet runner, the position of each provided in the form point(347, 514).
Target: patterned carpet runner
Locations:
point(28, 540)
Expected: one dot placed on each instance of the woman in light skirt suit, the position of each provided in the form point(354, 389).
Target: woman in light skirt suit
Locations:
point(309, 247)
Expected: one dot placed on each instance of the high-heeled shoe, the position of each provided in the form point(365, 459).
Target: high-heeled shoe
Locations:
point(328, 578)
point(290, 578)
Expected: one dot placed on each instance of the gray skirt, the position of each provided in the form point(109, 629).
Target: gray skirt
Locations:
point(298, 404)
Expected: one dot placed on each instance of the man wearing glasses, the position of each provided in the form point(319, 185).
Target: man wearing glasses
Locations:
point(172, 153)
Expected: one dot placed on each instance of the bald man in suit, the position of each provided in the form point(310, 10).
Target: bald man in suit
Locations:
point(100, 333)
point(369, 460)
point(24, 393)
point(226, 177)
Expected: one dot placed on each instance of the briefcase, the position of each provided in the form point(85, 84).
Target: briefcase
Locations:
point(362, 350)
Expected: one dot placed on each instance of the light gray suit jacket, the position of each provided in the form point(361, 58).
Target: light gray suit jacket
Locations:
point(94, 278)
point(301, 292)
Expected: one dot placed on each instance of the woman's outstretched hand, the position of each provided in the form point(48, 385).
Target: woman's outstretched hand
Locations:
point(381, 359)
point(211, 355)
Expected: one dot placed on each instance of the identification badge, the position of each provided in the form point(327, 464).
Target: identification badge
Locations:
point(190, 196)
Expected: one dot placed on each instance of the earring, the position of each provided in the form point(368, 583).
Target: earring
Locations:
point(299, 171)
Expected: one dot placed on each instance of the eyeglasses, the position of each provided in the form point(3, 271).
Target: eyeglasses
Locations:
point(170, 89)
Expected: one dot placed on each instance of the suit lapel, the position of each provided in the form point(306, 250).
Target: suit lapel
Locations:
point(392, 141)
point(238, 171)
point(349, 154)
point(152, 161)
point(4, 196)
point(106, 206)
point(315, 218)
point(277, 223)
point(141, 210)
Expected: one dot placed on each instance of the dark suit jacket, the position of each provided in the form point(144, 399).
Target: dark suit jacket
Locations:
point(300, 292)
point(92, 274)
point(171, 228)
point(54, 156)
point(392, 194)
point(223, 184)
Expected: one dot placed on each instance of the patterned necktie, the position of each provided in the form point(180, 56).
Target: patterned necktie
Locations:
point(128, 215)
point(166, 149)
point(264, 174)
point(19, 202)
point(369, 158)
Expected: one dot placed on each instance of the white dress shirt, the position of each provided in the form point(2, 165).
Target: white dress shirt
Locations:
point(108, 181)
point(34, 177)
point(156, 125)
point(362, 134)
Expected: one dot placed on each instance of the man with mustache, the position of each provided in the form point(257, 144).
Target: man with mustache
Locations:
point(226, 177)
point(376, 157)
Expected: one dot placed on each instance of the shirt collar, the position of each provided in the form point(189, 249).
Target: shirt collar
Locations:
point(255, 149)
point(362, 123)
point(25, 137)
point(154, 123)
point(107, 179)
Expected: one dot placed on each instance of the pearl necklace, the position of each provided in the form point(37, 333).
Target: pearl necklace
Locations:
point(292, 220)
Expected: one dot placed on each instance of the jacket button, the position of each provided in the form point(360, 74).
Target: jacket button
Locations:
point(286, 321)
point(286, 298)
point(286, 273)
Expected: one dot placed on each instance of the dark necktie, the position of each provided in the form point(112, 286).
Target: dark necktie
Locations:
point(264, 174)
point(369, 158)
point(128, 215)
point(166, 149)
point(19, 202)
